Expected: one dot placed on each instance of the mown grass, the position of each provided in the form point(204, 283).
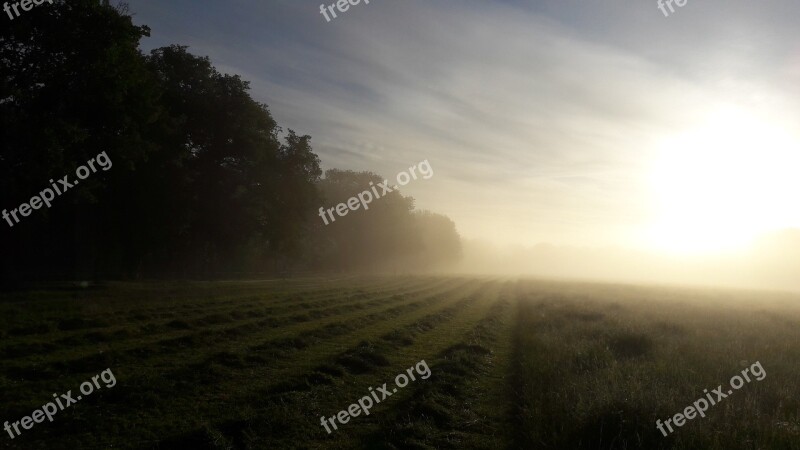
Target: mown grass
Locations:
point(515, 364)
point(596, 366)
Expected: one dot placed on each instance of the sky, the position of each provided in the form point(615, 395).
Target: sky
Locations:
point(568, 122)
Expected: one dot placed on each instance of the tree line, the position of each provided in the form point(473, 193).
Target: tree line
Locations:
point(204, 183)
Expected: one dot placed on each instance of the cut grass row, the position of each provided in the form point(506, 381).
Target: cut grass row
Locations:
point(515, 365)
point(60, 322)
point(422, 339)
point(292, 408)
point(225, 375)
point(449, 410)
point(188, 345)
point(32, 317)
point(278, 316)
point(308, 370)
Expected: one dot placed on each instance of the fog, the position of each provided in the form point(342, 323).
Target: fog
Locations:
point(772, 263)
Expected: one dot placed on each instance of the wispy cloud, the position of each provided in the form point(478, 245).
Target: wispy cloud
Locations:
point(540, 119)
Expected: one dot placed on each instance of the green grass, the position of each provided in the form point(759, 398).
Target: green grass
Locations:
point(598, 365)
point(515, 364)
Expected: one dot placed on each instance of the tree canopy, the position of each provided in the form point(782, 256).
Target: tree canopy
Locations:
point(204, 182)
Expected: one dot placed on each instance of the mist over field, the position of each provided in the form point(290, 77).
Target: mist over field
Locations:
point(461, 224)
point(770, 263)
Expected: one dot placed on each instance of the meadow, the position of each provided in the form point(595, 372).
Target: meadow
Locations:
point(514, 363)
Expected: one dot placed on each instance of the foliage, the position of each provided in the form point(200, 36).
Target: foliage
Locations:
point(204, 182)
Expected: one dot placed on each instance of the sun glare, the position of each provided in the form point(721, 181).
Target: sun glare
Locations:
point(723, 184)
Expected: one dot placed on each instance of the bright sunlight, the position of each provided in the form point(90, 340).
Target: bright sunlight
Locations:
point(721, 185)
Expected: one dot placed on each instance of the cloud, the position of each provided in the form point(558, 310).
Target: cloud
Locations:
point(541, 119)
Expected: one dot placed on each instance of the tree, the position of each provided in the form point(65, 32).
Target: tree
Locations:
point(250, 194)
point(204, 181)
point(441, 243)
point(65, 96)
point(388, 236)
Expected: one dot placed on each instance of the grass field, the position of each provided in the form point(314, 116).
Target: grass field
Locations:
point(515, 364)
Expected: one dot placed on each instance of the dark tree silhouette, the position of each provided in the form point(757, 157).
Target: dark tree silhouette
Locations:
point(204, 182)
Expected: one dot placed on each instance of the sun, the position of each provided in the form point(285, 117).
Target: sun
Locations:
point(719, 186)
